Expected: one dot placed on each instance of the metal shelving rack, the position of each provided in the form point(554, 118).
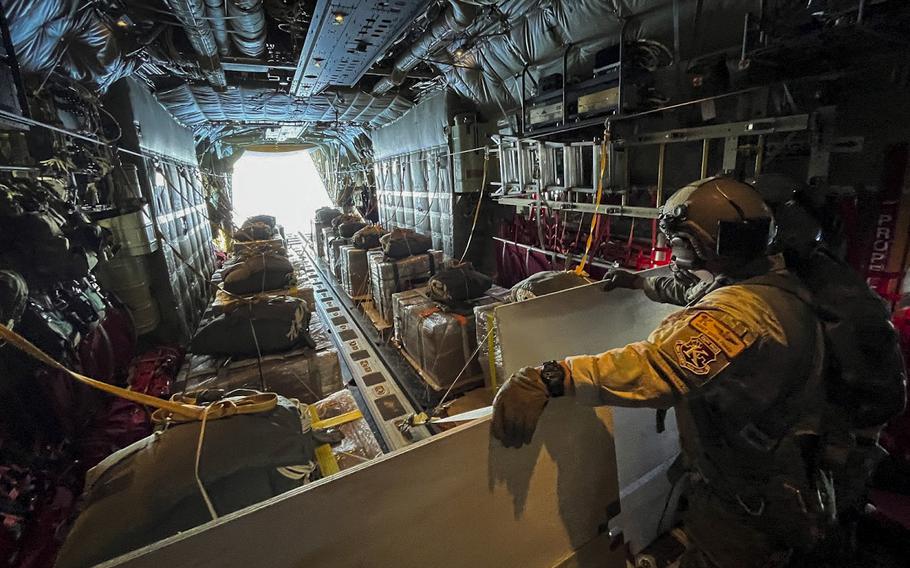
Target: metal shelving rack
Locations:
point(563, 176)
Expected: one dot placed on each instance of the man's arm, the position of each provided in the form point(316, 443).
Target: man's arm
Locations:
point(634, 375)
point(671, 289)
point(686, 352)
point(667, 290)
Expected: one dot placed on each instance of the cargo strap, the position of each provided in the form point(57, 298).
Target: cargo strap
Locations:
point(229, 406)
point(174, 409)
point(491, 351)
point(323, 424)
point(462, 320)
point(324, 456)
point(291, 292)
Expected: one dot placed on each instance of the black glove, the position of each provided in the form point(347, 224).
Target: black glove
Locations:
point(618, 278)
point(518, 406)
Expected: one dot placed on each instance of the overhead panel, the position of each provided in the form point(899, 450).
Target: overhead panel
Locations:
point(283, 133)
point(345, 38)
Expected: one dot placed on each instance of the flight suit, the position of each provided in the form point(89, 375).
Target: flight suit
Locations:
point(743, 369)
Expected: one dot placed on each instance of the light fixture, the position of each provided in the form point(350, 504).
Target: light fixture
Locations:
point(339, 18)
point(123, 22)
point(461, 51)
point(317, 62)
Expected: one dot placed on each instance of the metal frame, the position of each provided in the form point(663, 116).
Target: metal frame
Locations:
point(528, 165)
point(531, 181)
point(551, 253)
point(615, 210)
point(731, 129)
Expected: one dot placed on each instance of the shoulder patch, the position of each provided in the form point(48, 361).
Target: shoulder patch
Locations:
point(696, 354)
point(723, 336)
point(701, 349)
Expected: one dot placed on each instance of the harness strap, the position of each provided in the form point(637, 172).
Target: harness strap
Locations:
point(767, 431)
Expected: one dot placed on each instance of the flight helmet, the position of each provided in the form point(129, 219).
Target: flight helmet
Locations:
point(716, 221)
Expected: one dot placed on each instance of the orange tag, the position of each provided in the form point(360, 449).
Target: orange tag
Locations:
point(428, 312)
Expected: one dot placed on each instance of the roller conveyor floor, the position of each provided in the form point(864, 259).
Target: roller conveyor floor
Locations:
point(376, 369)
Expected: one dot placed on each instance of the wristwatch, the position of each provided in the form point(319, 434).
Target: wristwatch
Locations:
point(554, 377)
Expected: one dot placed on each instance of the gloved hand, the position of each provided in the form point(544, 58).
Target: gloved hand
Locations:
point(618, 278)
point(517, 407)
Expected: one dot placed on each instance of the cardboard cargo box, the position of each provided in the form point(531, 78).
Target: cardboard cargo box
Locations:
point(328, 233)
point(319, 238)
point(439, 340)
point(388, 276)
point(358, 444)
point(355, 273)
point(334, 258)
point(300, 374)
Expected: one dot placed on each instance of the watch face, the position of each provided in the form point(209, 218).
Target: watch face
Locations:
point(553, 375)
point(551, 371)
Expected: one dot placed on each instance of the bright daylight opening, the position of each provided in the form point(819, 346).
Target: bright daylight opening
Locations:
point(283, 184)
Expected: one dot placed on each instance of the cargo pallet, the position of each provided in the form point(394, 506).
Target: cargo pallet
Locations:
point(372, 314)
point(462, 385)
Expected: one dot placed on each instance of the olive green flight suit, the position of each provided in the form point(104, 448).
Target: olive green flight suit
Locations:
point(743, 369)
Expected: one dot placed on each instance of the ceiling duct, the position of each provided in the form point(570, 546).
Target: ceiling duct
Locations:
point(191, 14)
point(216, 14)
point(455, 19)
point(205, 110)
point(247, 18)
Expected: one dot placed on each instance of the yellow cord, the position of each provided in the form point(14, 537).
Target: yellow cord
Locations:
point(205, 494)
point(483, 184)
point(176, 408)
point(580, 269)
point(173, 410)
